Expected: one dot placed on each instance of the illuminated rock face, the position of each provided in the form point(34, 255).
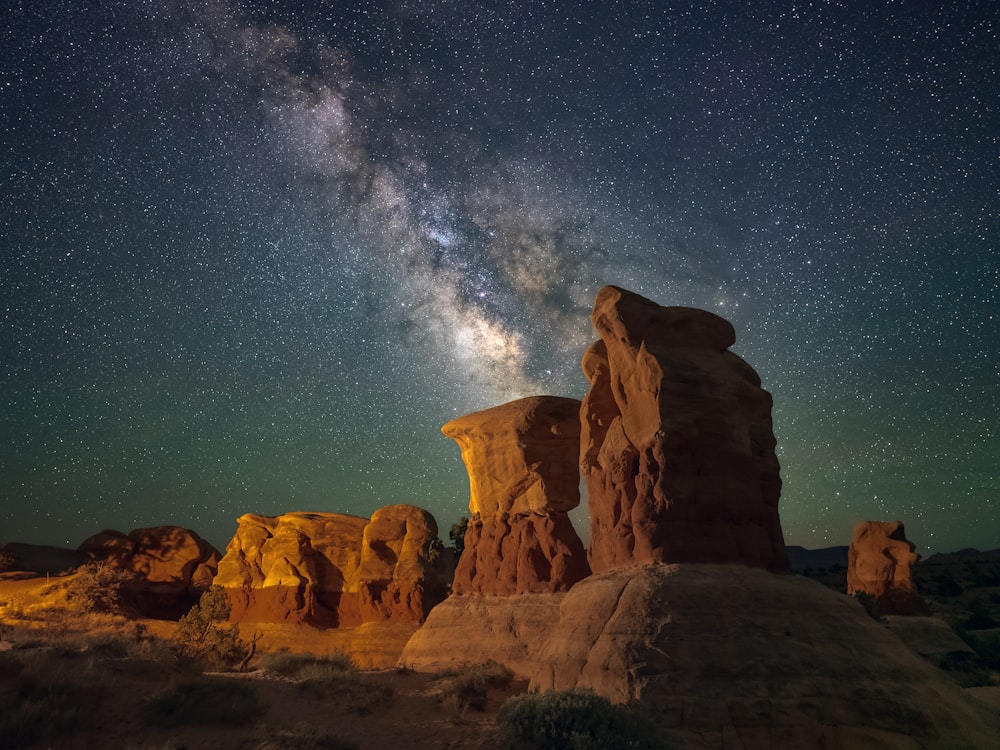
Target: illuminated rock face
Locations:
point(295, 568)
point(172, 565)
point(397, 579)
point(522, 458)
point(880, 564)
point(332, 569)
point(677, 446)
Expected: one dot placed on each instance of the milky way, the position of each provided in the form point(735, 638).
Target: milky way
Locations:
point(254, 255)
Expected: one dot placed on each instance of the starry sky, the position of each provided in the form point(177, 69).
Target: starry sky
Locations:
point(254, 255)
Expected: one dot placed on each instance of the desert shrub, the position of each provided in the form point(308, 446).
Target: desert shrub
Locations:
point(203, 700)
point(291, 665)
point(98, 587)
point(204, 632)
point(351, 690)
point(574, 720)
point(152, 649)
point(15, 607)
point(460, 690)
point(47, 700)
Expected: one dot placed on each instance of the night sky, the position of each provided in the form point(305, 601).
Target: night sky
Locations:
point(253, 256)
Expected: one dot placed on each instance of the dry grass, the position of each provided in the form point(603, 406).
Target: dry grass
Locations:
point(47, 693)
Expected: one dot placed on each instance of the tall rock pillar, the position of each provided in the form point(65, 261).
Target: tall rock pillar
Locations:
point(677, 446)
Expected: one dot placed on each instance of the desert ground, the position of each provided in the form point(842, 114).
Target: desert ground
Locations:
point(71, 677)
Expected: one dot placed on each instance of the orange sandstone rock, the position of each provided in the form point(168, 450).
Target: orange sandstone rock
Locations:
point(332, 569)
point(397, 578)
point(173, 566)
point(880, 564)
point(522, 460)
point(295, 568)
point(734, 656)
point(677, 445)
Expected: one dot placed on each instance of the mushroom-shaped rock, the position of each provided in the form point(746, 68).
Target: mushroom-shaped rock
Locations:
point(677, 445)
point(522, 459)
point(880, 564)
point(172, 565)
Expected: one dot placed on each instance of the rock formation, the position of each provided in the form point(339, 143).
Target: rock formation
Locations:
point(470, 629)
point(677, 446)
point(172, 565)
point(332, 569)
point(678, 452)
point(732, 656)
point(880, 565)
point(294, 568)
point(522, 460)
point(396, 578)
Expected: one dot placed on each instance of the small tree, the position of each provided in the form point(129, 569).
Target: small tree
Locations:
point(457, 535)
point(205, 632)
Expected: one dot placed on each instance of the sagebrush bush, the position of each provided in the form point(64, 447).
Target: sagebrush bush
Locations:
point(204, 700)
point(462, 689)
point(574, 720)
point(291, 665)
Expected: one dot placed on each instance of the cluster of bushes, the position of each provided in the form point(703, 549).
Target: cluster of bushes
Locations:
point(574, 720)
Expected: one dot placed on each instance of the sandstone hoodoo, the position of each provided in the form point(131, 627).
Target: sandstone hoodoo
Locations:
point(522, 458)
point(880, 564)
point(172, 565)
point(332, 569)
point(295, 568)
point(677, 445)
point(397, 579)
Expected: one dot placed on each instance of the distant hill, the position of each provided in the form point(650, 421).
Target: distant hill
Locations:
point(963, 556)
point(800, 558)
point(42, 558)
